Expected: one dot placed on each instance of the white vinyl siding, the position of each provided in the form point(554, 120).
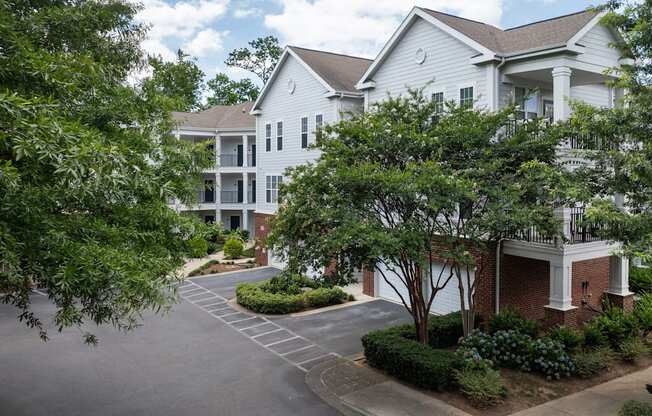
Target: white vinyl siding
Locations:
point(447, 63)
point(598, 95)
point(597, 48)
point(304, 132)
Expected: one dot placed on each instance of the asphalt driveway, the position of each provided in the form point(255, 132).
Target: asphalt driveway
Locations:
point(202, 358)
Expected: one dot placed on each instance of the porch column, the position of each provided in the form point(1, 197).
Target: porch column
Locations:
point(560, 310)
point(561, 82)
point(218, 150)
point(245, 147)
point(564, 216)
point(245, 188)
point(245, 220)
point(218, 196)
point(618, 292)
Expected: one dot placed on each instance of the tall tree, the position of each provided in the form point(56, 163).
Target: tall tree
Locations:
point(86, 167)
point(181, 81)
point(260, 58)
point(623, 159)
point(224, 91)
point(388, 187)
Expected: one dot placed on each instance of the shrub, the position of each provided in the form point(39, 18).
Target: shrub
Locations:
point(409, 360)
point(516, 350)
point(483, 387)
point(593, 336)
point(591, 362)
point(616, 326)
point(249, 252)
point(631, 349)
point(640, 280)
point(287, 282)
point(643, 311)
point(325, 296)
point(634, 408)
point(570, 338)
point(510, 319)
point(233, 248)
point(443, 331)
point(253, 296)
point(198, 247)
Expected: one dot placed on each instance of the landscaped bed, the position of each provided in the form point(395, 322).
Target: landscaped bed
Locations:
point(217, 266)
point(513, 365)
point(288, 293)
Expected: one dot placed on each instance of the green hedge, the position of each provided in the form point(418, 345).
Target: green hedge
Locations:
point(640, 280)
point(410, 361)
point(443, 331)
point(325, 296)
point(634, 408)
point(252, 296)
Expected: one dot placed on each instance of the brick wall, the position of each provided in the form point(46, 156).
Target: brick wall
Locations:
point(368, 282)
point(596, 273)
point(261, 230)
point(525, 285)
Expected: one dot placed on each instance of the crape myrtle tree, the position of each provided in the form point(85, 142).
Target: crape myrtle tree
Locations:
point(619, 140)
point(86, 167)
point(404, 184)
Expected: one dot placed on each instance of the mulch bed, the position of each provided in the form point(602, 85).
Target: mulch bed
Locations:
point(223, 268)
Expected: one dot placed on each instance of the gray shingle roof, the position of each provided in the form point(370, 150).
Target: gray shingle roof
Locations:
point(341, 72)
point(218, 117)
point(537, 35)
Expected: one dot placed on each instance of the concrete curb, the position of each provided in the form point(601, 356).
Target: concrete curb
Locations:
point(316, 384)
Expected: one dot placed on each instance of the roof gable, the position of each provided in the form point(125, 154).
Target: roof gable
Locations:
point(218, 117)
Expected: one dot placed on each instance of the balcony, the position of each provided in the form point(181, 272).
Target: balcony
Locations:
point(236, 161)
point(576, 230)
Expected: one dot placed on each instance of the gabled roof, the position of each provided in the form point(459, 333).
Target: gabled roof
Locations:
point(218, 117)
point(536, 35)
point(336, 72)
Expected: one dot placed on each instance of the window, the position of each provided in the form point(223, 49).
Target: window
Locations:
point(268, 137)
point(319, 121)
point(304, 132)
point(271, 190)
point(466, 97)
point(527, 103)
point(438, 98)
point(279, 135)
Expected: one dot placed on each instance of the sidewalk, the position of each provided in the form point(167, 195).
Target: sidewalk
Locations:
point(356, 390)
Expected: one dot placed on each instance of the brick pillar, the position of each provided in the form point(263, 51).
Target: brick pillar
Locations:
point(624, 302)
point(261, 230)
point(559, 317)
point(368, 282)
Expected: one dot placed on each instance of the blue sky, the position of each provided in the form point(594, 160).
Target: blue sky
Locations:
point(209, 29)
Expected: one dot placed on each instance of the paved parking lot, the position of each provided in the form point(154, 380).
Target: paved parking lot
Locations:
point(202, 358)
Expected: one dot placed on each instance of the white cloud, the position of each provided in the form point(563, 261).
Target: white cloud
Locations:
point(205, 42)
point(361, 27)
point(242, 13)
point(184, 20)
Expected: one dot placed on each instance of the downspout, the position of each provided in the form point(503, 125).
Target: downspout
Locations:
point(497, 83)
point(499, 249)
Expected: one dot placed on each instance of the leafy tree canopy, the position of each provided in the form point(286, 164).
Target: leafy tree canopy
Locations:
point(225, 91)
point(260, 58)
point(86, 167)
point(391, 181)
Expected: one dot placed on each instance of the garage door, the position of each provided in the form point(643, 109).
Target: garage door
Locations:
point(275, 261)
point(447, 300)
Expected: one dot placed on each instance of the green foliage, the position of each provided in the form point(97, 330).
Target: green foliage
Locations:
point(87, 168)
point(631, 349)
point(405, 161)
point(181, 82)
point(198, 247)
point(483, 388)
point(589, 363)
point(570, 338)
point(249, 252)
point(444, 331)
point(615, 326)
point(233, 248)
point(201, 269)
point(634, 408)
point(225, 91)
point(259, 59)
point(253, 296)
point(517, 350)
point(510, 319)
point(325, 296)
point(640, 280)
point(287, 282)
point(643, 312)
point(409, 360)
point(593, 336)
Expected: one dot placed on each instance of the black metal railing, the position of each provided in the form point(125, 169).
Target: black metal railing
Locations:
point(580, 231)
point(573, 140)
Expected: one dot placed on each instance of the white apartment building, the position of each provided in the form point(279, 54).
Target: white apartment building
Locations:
point(229, 191)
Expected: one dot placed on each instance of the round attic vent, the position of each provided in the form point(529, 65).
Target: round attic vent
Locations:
point(420, 56)
point(291, 86)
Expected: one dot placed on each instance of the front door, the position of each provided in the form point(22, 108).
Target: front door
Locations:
point(209, 191)
point(235, 222)
point(240, 155)
point(240, 191)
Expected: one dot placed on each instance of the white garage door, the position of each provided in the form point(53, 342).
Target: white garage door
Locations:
point(447, 299)
point(274, 261)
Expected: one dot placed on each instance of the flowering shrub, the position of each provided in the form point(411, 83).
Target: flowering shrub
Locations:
point(517, 350)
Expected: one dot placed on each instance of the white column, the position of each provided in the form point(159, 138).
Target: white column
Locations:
point(218, 150)
point(561, 82)
point(245, 188)
point(561, 272)
point(564, 216)
point(619, 276)
point(492, 87)
point(245, 146)
point(245, 220)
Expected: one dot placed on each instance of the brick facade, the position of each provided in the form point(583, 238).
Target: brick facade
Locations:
point(525, 285)
point(368, 282)
point(626, 303)
point(590, 282)
point(261, 231)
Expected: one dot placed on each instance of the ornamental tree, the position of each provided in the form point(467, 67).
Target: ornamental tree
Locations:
point(404, 184)
point(86, 167)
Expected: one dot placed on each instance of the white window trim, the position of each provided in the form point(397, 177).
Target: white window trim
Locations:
point(435, 89)
point(275, 135)
point(277, 175)
point(307, 117)
point(314, 119)
point(460, 87)
point(271, 127)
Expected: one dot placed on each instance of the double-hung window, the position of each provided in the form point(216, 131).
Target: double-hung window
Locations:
point(279, 135)
point(466, 97)
point(304, 132)
point(319, 122)
point(268, 137)
point(271, 189)
point(438, 99)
